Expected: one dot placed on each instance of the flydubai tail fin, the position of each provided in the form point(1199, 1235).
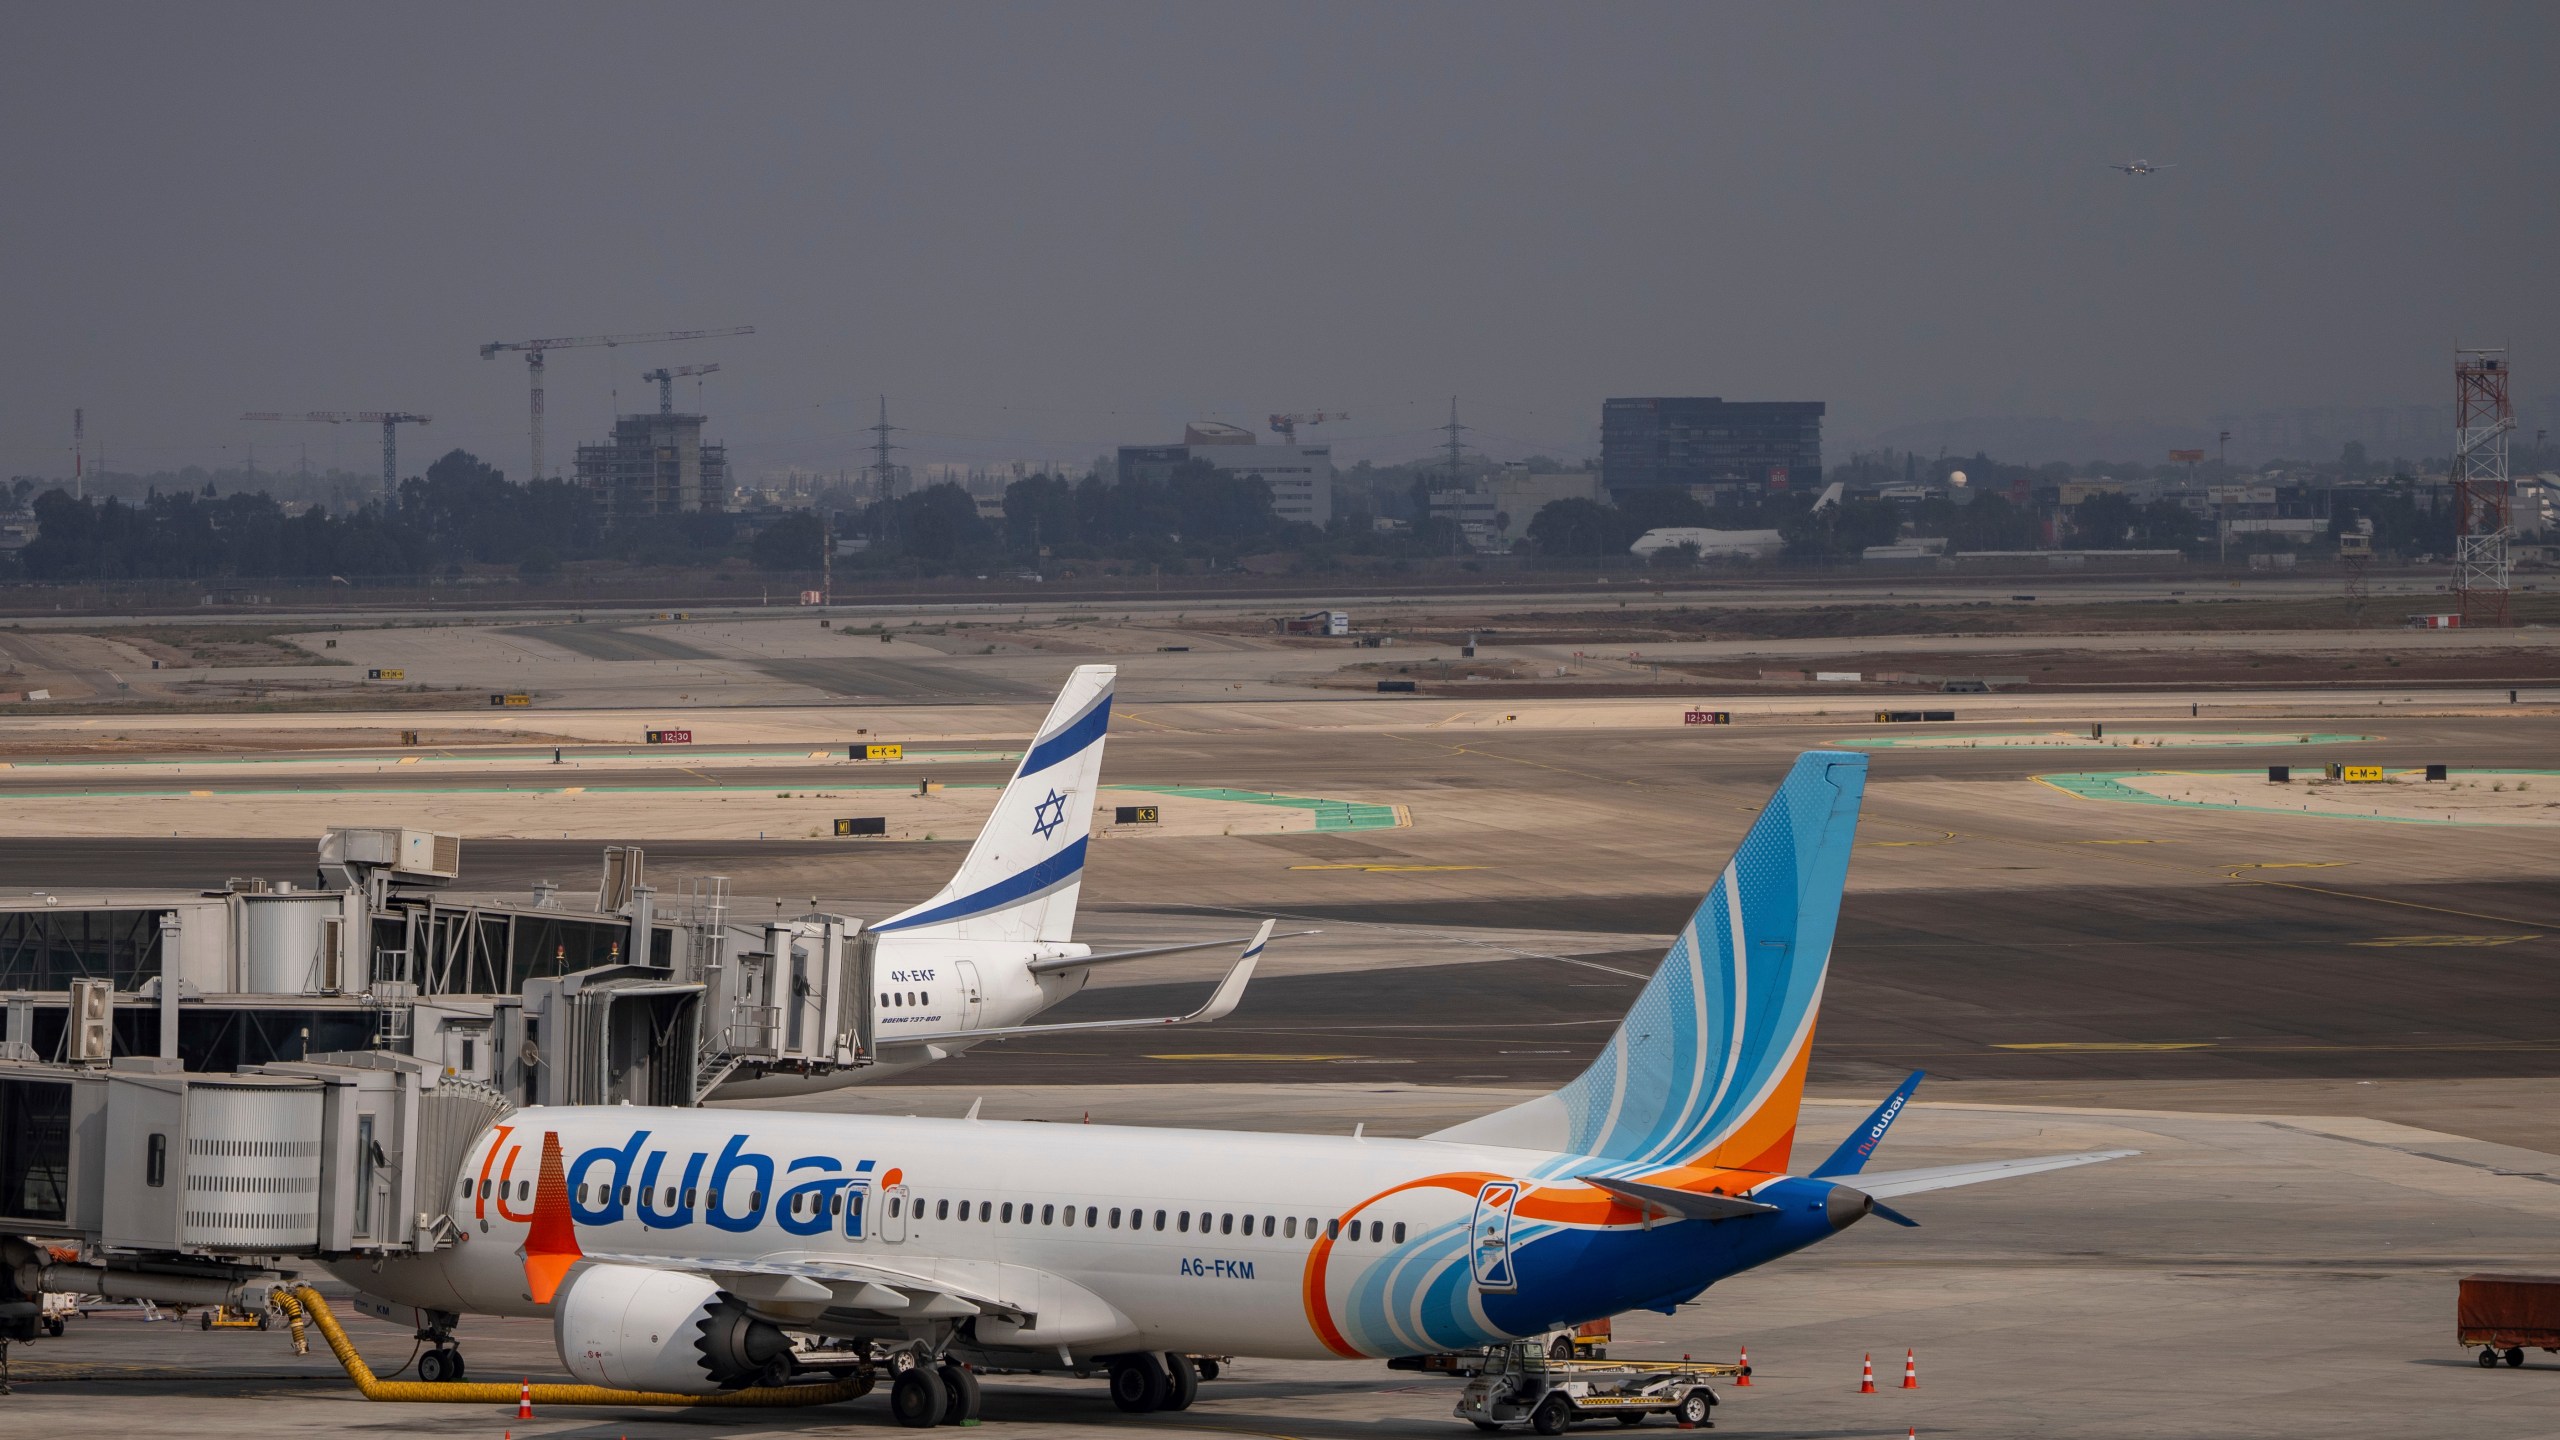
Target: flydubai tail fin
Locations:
point(1708, 1067)
point(1021, 879)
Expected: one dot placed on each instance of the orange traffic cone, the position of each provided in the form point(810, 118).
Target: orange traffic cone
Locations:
point(1867, 1377)
point(524, 1401)
point(1910, 1370)
point(1745, 1377)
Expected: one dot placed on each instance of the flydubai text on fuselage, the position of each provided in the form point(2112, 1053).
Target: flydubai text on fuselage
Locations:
point(1660, 1170)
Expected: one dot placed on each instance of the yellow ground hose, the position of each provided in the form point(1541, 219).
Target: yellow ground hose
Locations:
point(302, 1300)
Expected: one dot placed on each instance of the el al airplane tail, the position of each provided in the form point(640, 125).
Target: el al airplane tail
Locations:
point(1708, 1067)
point(1021, 879)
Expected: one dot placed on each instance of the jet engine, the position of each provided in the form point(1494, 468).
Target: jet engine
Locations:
point(635, 1328)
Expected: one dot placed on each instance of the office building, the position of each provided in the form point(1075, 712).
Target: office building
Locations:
point(1719, 450)
point(1300, 476)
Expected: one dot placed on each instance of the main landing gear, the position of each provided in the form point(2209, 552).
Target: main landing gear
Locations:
point(1146, 1382)
point(928, 1393)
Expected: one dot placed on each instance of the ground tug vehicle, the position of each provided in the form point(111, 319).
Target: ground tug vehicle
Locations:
point(1522, 1384)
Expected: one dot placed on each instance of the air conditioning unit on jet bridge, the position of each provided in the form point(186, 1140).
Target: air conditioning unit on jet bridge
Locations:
point(411, 855)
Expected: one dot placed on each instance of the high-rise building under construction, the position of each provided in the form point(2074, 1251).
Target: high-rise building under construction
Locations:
point(656, 465)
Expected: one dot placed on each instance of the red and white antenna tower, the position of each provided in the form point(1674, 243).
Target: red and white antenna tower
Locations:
point(2483, 491)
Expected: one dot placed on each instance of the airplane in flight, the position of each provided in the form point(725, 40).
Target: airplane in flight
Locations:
point(2142, 167)
point(678, 1250)
point(980, 957)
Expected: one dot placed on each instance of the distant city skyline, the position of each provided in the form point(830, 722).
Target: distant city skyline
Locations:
point(1053, 230)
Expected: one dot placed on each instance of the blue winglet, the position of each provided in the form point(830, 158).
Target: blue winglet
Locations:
point(1860, 1147)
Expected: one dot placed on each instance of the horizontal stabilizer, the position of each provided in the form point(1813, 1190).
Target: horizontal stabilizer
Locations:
point(1222, 1003)
point(1078, 962)
point(1889, 1183)
point(1690, 1204)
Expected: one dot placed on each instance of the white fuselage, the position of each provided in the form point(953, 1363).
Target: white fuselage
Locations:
point(1230, 1242)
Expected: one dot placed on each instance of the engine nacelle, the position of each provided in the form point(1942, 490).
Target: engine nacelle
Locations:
point(635, 1328)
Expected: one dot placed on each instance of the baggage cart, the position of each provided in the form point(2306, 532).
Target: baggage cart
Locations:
point(2506, 1315)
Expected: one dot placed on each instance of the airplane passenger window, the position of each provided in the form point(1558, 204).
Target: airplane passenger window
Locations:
point(466, 1190)
point(1088, 1217)
point(1026, 1212)
point(1008, 1212)
point(1267, 1223)
point(1377, 1231)
point(1290, 1231)
point(941, 1209)
point(484, 1189)
point(924, 997)
point(1115, 1217)
point(1333, 1229)
point(1159, 1219)
point(884, 998)
point(626, 1194)
point(1182, 1220)
point(1399, 1232)
point(1226, 1224)
point(688, 1199)
point(755, 1200)
point(1048, 1214)
point(713, 1200)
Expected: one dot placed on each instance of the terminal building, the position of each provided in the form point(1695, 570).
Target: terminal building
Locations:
point(1718, 450)
point(1300, 476)
point(656, 465)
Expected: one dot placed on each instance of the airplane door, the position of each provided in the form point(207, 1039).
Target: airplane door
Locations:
point(972, 998)
point(893, 1221)
point(1489, 1237)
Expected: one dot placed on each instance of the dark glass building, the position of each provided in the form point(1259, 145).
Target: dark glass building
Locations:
point(1720, 447)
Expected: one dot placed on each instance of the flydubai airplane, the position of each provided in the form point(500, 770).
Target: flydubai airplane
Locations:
point(991, 949)
point(678, 1250)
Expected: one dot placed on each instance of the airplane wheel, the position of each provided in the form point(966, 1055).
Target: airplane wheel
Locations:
point(1182, 1382)
point(1552, 1415)
point(1208, 1369)
point(431, 1368)
point(965, 1394)
point(916, 1399)
point(2488, 1357)
point(1138, 1383)
point(455, 1367)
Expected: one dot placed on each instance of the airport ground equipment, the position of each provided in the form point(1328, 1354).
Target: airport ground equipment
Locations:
point(1522, 1384)
point(302, 1303)
point(2507, 1314)
point(1588, 1341)
point(232, 1317)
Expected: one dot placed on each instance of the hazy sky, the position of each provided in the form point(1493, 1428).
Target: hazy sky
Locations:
point(1045, 229)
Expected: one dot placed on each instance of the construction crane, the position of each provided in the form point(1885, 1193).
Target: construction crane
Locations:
point(667, 378)
point(389, 420)
point(534, 350)
point(1286, 426)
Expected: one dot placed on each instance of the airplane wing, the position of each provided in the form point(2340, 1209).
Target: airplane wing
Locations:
point(1886, 1184)
point(1108, 957)
point(852, 1284)
point(1221, 1003)
point(1691, 1204)
point(1033, 1308)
